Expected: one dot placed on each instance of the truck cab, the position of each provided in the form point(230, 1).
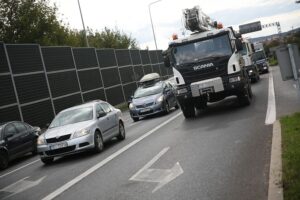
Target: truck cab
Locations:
point(208, 66)
point(247, 54)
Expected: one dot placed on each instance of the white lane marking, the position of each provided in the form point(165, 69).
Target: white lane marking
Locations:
point(105, 161)
point(271, 110)
point(151, 162)
point(160, 176)
point(20, 186)
point(1, 176)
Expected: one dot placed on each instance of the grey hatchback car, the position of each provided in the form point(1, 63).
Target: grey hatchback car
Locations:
point(81, 128)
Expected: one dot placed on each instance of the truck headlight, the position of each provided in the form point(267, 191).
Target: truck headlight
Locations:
point(41, 140)
point(234, 79)
point(131, 106)
point(160, 99)
point(81, 133)
point(250, 71)
point(182, 91)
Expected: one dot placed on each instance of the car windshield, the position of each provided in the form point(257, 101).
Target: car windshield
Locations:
point(194, 52)
point(144, 91)
point(259, 55)
point(72, 116)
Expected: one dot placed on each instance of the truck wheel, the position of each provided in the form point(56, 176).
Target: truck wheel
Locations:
point(188, 110)
point(201, 105)
point(244, 97)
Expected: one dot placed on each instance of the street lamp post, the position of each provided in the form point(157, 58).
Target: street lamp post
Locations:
point(149, 7)
point(86, 40)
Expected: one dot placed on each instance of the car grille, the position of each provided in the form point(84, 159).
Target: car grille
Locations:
point(60, 151)
point(61, 138)
point(144, 105)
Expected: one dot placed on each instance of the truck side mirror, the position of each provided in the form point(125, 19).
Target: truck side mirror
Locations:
point(166, 58)
point(238, 45)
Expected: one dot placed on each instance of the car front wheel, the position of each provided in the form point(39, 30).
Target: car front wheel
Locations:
point(122, 133)
point(98, 141)
point(47, 161)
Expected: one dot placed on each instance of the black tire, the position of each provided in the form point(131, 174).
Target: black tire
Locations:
point(135, 119)
point(98, 141)
point(122, 133)
point(188, 110)
point(3, 160)
point(176, 106)
point(244, 97)
point(47, 161)
point(34, 149)
point(167, 108)
point(201, 105)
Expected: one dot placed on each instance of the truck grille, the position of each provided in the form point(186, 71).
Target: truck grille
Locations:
point(191, 76)
point(59, 139)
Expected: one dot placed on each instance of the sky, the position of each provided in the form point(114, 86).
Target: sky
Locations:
point(132, 16)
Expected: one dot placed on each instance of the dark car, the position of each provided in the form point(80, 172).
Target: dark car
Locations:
point(260, 59)
point(151, 99)
point(16, 139)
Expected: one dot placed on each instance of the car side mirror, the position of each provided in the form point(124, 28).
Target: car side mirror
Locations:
point(238, 45)
point(101, 114)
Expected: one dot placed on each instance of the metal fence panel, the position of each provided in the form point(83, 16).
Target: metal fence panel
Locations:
point(66, 102)
point(135, 57)
point(85, 57)
point(129, 90)
point(93, 95)
point(10, 114)
point(111, 77)
point(24, 58)
point(138, 72)
point(123, 57)
point(58, 58)
point(90, 79)
point(31, 87)
point(7, 94)
point(127, 74)
point(106, 58)
point(115, 95)
point(145, 57)
point(38, 114)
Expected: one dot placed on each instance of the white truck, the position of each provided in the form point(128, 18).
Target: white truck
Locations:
point(207, 65)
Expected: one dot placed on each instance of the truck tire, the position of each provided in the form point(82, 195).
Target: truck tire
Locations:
point(188, 110)
point(201, 105)
point(245, 96)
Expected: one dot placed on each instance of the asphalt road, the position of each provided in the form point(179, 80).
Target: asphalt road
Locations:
point(224, 153)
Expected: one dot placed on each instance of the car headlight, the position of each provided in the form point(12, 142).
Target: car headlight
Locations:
point(41, 140)
point(81, 133)
point(250, 71)
point(160, 99)
point(131, 106)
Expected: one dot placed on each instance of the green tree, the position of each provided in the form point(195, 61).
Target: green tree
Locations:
point(35, 21)
point(111, 38)
point(30, 21)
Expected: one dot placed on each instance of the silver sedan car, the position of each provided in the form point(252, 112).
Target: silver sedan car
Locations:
point(81, 128)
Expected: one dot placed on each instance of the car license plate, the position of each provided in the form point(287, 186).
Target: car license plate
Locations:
point(58, 145)
point(145, 110)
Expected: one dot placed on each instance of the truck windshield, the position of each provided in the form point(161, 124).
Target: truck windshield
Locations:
point(259, 55)
point(194, 52)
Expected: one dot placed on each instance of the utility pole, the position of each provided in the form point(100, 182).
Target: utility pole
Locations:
point(149, 7)
point(84, 31)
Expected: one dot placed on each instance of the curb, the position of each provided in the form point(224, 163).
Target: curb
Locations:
point(275, 191)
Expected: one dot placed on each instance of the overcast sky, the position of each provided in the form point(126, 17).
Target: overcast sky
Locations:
point(132, 16)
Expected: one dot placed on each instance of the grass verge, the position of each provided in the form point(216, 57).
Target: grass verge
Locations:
point(290, 126)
